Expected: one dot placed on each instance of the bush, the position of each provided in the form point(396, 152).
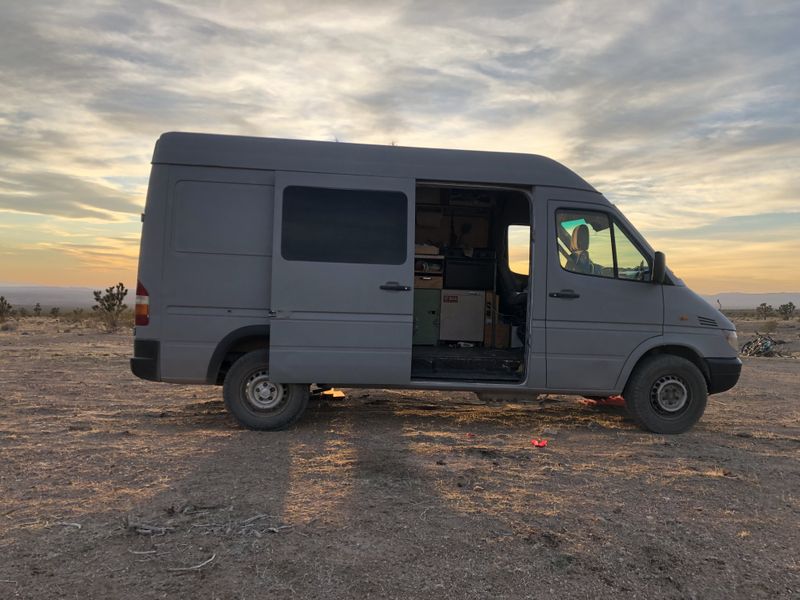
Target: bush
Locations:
point(37, 310)
point(76, 315)
point(6, 310)
point(786, 310)
point(110, 305)
point(54, 312)
point(764, 310)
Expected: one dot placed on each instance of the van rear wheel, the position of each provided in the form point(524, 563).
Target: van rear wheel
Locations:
point(256, 401)
point(666, 394)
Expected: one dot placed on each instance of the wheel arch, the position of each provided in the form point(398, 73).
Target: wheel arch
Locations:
point(683, 350)
point(237, 342)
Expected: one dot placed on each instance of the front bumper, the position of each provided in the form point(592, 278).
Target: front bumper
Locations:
point(723, 373)
point(144, 363)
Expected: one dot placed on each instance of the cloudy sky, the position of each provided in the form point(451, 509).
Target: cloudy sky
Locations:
point(686, 115)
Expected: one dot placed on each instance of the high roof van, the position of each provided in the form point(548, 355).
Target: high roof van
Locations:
point(270, 265)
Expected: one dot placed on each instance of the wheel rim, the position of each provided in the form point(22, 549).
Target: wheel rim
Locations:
point(263, 394)
point(669, 395)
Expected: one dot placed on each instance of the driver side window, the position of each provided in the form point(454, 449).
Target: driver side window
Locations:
point(593, 243)
point(584, 242)
point(631, 263)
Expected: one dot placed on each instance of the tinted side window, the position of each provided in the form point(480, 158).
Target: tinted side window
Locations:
point(346, 226)
point(584, 242)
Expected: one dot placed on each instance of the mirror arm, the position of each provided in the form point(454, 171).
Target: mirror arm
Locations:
point(659, 267)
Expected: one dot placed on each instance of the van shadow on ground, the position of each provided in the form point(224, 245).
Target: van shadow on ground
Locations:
point(395, 494)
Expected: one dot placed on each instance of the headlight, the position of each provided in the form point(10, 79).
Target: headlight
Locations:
point(731, 338)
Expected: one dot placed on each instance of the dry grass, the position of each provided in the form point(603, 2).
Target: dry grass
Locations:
point(115, 487)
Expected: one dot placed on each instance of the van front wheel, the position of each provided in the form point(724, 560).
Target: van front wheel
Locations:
point(256, 401)
point(666, 394)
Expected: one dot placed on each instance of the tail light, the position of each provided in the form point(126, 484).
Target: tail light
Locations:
point(142, 310)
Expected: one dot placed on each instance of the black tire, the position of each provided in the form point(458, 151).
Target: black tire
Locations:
point(257, 403)
point(666, 394)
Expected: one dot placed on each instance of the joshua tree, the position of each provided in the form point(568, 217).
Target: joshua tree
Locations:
point(764, 310)
point(54, 312)
point(37, 310)
point(5, 309)
point(786, 310)
point(110, 305)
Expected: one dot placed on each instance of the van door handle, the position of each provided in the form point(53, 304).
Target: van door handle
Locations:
point(565, 294)
point(393, 286)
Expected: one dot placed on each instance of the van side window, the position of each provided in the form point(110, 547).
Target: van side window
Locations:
point(631, 263)
point(592, 243)
point(344, 226)
point(519, 249)
point(584, 242)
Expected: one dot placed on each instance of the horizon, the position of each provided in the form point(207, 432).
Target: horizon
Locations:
point(9, 284)
point(692, 131)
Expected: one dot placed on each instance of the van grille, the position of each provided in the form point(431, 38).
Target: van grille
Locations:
point(705, 321)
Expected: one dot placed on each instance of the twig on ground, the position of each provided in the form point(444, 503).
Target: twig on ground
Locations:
point(144, 528)
point(278, 529)
point(195, 567)
point(142, 551)
point(65, 524)
point(255, 518)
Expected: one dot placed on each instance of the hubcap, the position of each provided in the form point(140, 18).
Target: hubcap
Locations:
point(262, 393)
point(669, 394)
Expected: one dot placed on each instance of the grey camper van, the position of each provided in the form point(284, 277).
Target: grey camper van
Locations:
point(269, 265)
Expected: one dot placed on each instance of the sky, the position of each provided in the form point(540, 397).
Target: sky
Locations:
point(684, 114)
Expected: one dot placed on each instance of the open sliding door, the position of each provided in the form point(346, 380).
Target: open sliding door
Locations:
point(342, 279)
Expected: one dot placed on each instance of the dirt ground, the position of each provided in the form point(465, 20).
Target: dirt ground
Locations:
point(112, 487)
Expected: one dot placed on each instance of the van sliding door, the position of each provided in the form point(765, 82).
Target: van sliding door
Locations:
point(341, 295)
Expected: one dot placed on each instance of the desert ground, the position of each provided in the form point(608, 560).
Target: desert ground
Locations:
point(113, 487)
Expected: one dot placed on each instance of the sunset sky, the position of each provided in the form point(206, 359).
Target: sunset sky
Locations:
point(686, 115)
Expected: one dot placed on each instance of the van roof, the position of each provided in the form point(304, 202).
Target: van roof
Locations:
point(240, 152)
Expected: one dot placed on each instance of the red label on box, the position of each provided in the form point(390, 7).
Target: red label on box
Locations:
point(450, 299)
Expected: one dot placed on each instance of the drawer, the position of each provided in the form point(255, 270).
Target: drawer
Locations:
point(428, 282)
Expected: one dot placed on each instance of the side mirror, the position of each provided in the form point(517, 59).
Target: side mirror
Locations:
point(659, 267)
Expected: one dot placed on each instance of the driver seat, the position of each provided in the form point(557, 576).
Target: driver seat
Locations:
point(579, 261)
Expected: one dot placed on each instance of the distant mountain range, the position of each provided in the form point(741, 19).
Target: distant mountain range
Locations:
point(63, 297)
point(81, 297)
point(734, 300)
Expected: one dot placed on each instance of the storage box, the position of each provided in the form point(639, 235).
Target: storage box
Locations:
point(462, 315)
point(502, 333)
point(426, 249)
point(426, 317)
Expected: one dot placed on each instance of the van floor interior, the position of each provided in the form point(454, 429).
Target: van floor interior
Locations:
point(467, 364)
point(471, 280)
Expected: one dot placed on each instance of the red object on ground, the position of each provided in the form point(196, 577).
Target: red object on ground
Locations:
point(614, 401)
point(470, 435)
point(538, 443)
point(609, 401)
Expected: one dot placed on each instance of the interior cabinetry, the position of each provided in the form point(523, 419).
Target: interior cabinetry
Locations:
point(459, 329)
